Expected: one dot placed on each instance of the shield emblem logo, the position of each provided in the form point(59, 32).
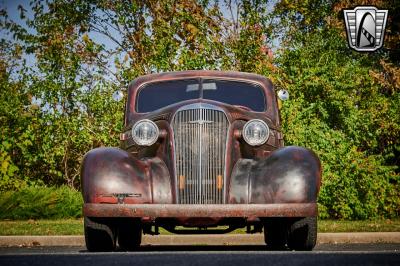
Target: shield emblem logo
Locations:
point(365, 27)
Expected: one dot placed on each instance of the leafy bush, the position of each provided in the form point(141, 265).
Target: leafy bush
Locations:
point(338, 111)
point(41, 203)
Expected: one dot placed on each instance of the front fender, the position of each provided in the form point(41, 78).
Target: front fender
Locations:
point(289, 175)
point(112, 175)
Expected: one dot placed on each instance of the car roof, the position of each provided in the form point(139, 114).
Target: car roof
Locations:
point(234, 75)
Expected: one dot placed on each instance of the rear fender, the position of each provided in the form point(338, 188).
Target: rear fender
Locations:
point(289, 175)
point(112, 175)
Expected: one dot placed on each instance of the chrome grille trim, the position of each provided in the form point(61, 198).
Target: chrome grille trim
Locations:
point(200, 138)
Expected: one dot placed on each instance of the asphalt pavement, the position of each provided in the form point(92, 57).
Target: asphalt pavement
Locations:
point(323, 254)
point(230, 250)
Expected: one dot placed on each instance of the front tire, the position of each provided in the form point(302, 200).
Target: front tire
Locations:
point(129, 234)
point(99, 236)
point(302, 234)
point(275, 233)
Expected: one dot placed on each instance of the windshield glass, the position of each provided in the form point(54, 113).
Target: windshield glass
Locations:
point(235, 93)
point(156, 95)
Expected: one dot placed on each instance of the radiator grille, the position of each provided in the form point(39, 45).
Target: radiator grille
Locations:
point(200, 144)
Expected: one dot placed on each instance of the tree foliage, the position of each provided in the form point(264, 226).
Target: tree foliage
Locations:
point(345, 106)
point(62, 61)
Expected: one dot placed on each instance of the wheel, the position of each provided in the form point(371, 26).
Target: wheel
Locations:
point(302, 234)
point(99, 236)
point(275, 233)
point(129, 234)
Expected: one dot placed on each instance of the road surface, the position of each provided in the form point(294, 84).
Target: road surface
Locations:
point(324, 254)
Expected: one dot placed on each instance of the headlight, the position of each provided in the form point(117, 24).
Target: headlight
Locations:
point(145, 132)
point(255, 132)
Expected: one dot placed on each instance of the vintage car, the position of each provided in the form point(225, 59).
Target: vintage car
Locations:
point(200, 152)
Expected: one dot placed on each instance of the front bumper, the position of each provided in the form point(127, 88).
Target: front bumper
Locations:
point(200, 210)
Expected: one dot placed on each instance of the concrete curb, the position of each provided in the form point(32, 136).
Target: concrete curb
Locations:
point(229, 239)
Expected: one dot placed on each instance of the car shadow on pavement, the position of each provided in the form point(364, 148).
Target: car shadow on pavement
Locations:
point(326, 247)
point(152, 248)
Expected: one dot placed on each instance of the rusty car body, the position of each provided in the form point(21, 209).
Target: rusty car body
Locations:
point(201, 152)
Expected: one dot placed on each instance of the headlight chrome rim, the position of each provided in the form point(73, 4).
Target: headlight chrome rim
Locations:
point(139, 141)
point(246, 137)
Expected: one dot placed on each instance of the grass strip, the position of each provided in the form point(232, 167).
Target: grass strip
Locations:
point(75, 227)
point(42, 227)
point(338, 226)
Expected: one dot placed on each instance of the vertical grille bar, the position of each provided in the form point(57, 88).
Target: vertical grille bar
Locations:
point(200, 146)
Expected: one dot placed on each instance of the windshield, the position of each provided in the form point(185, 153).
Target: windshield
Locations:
point(156, 95)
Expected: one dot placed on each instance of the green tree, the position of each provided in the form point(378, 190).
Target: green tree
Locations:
point(343, 106)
